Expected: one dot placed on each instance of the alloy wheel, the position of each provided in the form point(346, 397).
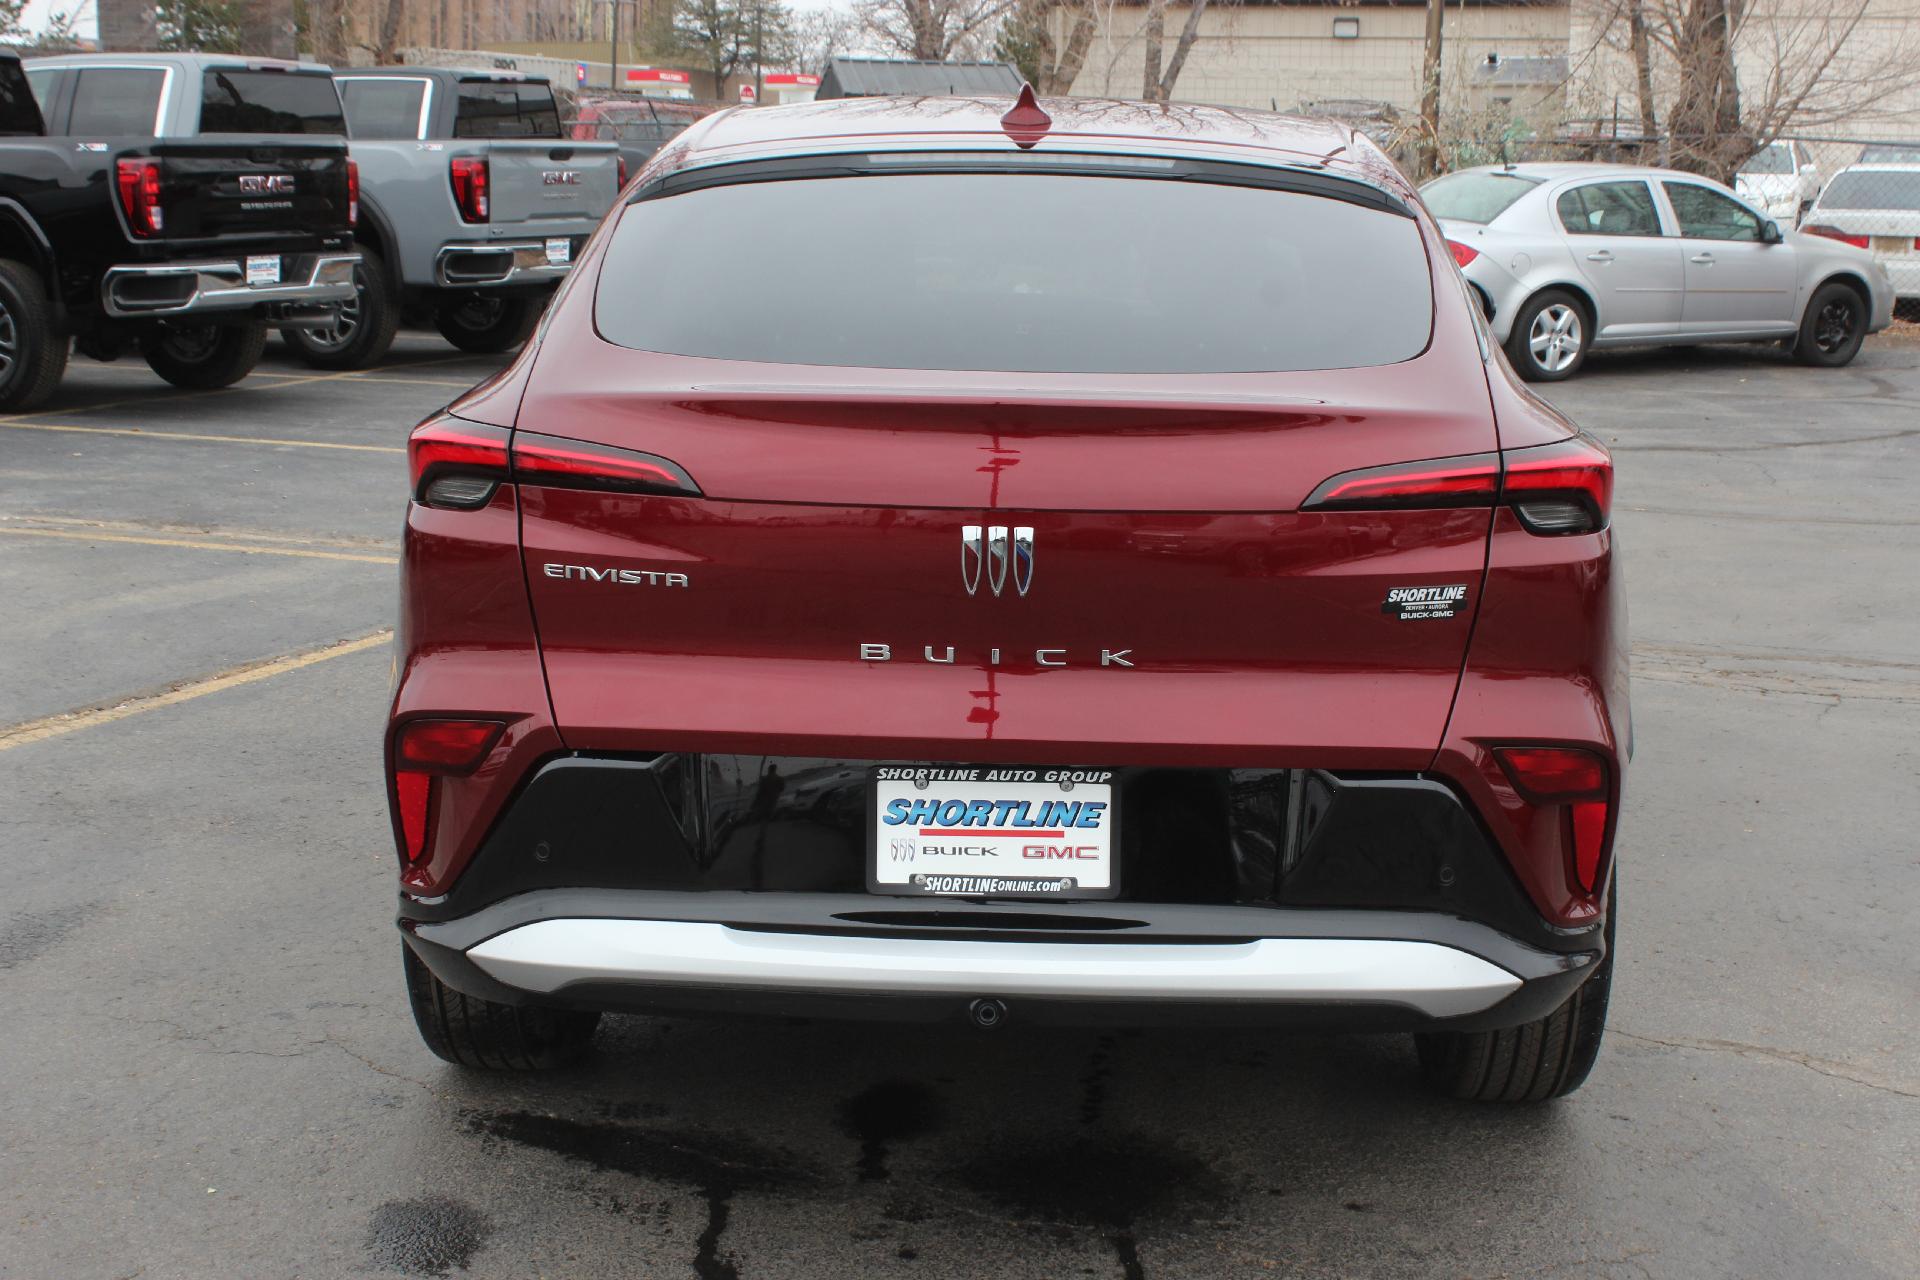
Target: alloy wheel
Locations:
point(478, 314)
point(346, 319)
point(1555, 337)
point(9, 342)
point(1833, 327)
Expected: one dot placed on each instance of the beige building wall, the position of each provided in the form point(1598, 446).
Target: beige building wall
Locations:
point(1283, 56)
point(1868, 88)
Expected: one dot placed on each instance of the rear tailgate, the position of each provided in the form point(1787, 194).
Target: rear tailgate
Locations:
point(539, 178)
point(268, 187)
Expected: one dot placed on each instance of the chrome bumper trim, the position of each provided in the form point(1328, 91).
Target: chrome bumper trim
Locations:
point(221, 285)
point(1439, 981)
point(501, 262)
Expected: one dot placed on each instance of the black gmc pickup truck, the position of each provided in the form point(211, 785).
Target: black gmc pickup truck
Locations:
point(188, 248)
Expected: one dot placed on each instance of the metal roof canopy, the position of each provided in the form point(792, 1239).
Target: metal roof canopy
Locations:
point(881, 77)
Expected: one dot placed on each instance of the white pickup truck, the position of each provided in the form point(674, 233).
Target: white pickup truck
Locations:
point(472, 206)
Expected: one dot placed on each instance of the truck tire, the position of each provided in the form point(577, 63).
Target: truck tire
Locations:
point(203, 357)
point(33, 354)
point(486, 325)
point(471, 1032)
point(1546, 1058)
point(363, 331)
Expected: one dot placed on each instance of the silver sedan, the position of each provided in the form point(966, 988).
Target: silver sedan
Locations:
point(1569, 257)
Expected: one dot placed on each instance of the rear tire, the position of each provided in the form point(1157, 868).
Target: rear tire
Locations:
point(1550, 337)
point(362, 332)
point(486, 325)
point(1546, 1058)
point(1833, 327)
point(33, 354)
point(471, 1032)
point(204, 357)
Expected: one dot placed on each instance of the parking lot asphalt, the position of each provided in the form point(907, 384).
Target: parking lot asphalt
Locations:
point(208, 1068)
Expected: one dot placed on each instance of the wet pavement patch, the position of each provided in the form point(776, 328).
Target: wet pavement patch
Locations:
point(889, 1112)
point(24, 936)
point(1106, 1183)
point(431, 1236)
point(715, 1166)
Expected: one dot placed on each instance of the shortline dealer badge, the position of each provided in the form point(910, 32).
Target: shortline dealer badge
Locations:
point(1412, 603)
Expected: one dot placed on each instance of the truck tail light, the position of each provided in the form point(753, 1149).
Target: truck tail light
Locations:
point(620, 167)
point(353, 192)
point(1462, 253)
point(470, 186)
point(139, 183)
point(1576, 782)
point(1835, 233)
point(1559, 488)
point(423, 752)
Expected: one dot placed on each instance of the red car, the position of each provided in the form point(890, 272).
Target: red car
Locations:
point(1131, 588)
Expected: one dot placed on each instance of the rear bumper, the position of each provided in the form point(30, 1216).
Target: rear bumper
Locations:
point(1111, 964)
point(308, 280)
point(486, 265)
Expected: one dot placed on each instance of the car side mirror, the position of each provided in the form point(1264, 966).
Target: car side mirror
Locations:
point(1770, 232)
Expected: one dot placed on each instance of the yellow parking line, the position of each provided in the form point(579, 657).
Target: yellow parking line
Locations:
point(195, 544)
point(288, 380)
point(54, 726)
point(205, 439)
point(41, 520)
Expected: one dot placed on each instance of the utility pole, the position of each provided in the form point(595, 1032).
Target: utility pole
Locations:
point(1430, 92)
point(613, 49)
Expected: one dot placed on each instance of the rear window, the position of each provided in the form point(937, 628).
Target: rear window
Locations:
point(505, 109)
point(383, 108)
point(1771, 159)
point(118, 101)
point(236, 100)
point(1017, 272)
point(1475, 197)
point(1882, 189)
point(19, 113)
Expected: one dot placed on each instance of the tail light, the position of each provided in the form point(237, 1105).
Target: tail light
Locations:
point(1559, 488)
point(1835, 233)
point(575, 464)
point(1462, 253)
point(139, 183)
point(353, 192)
point(459, 464)
point(470, 186)
point(620, 167)
point(455, 463)
point(424, 751)
point(1576, 782)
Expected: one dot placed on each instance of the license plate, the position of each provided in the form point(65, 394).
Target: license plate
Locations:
point(1892, 244)
point(995, 832)
point(559, 252)
point(263, 269)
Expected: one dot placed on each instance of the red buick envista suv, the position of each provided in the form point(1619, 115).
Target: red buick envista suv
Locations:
point(1077, 562)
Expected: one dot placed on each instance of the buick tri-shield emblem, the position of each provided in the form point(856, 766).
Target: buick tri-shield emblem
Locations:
point(992, 557)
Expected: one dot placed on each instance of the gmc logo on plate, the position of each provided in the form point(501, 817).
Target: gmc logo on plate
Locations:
point(267, 184)
point(560, 177)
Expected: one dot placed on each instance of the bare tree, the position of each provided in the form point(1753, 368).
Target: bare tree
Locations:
point(814, 37)
point(327, 31)
point(127, 25)
point(266, 27)
point(1733, 75)
point(1430, 90)
point(386, 49)
point(1029, 41)
point(1160, 73)
point(933, 30)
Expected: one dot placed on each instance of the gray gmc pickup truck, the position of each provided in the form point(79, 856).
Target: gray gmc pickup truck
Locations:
point(473, 204)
